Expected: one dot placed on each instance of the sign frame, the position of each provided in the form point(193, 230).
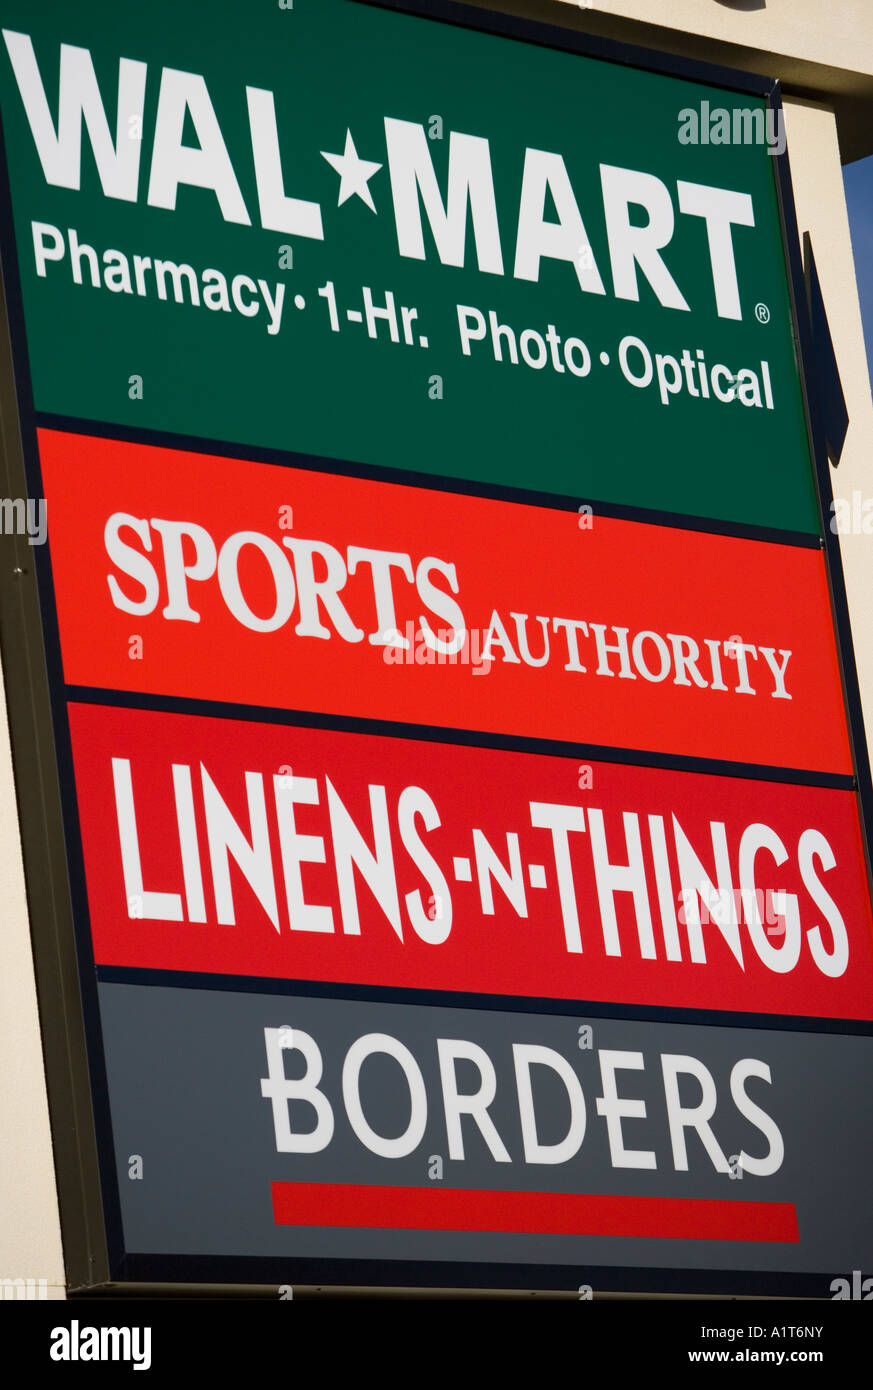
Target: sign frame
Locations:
point(42, 755)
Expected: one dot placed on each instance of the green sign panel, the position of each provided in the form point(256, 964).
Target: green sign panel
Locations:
point(370, 236)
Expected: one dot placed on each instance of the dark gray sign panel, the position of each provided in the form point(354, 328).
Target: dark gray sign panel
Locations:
point(304, 1130)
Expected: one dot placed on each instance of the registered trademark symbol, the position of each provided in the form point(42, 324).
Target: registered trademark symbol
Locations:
point(762, 313)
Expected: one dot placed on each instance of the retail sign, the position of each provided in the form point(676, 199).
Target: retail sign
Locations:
point(298, 1130)
point(438, 660)
point(263, 850)
point(320, 235)
point(350, 596)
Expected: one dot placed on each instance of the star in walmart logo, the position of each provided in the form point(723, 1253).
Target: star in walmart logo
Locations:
point(355, 173)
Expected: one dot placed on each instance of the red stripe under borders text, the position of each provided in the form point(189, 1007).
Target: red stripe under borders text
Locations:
point(531, 1213)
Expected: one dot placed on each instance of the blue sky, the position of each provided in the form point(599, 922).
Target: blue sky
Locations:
point(858, 182)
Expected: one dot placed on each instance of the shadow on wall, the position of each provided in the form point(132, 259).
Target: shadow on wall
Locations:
point(743, 4)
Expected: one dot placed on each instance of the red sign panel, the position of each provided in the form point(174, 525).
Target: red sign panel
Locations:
point(214, 578)
point(258, 849)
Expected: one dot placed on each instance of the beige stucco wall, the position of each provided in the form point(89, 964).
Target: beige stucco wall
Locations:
point(821, 210)
point(836, 32)
point(30, 1233)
